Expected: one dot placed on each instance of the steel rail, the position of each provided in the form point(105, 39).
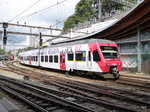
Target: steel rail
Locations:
point(104, 92)
point(88, 98)
point(51, 97)
point(23, 98)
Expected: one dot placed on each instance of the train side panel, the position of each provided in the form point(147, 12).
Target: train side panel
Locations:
point(29, 57)
point(82, 59)
point(99, 57)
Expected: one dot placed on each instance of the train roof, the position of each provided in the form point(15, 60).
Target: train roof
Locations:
point(65, 43)
point(85, 41)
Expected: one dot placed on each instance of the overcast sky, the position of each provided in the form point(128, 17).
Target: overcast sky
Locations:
point(34, 12)
point(30, 10)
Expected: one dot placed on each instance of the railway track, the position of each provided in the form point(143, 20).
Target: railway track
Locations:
point(125, 80)
point(46, 99)
point(106, 96)
point(136, 81)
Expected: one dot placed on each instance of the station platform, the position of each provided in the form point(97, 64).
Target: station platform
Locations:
point(7, 106)
point(128, 73)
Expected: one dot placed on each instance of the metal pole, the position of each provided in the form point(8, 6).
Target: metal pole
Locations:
point(99, 10)
point(139, 56)
point(31, 39)
point(51, 30)
point(5, 25)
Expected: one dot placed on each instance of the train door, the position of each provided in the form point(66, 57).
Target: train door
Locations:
point(62, 62)
point(29, 58)
point(89, 60)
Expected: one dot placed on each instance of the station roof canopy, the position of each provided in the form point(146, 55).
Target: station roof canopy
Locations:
point(126, 27)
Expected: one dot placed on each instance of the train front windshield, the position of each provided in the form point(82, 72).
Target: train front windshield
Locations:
point(109, 52)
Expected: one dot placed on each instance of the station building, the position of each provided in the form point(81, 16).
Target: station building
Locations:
point(128, 50)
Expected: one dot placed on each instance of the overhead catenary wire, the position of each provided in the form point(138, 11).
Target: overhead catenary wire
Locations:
point(39, 11)
point(24, 11)
point(61, 21)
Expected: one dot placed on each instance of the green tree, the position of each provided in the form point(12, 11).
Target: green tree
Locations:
point(88, 9)
point(70, 22)
point(2, 51)
point(25, 49)
point(83, 12)
point(112, 6)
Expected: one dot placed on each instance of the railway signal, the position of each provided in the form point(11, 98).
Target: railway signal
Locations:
point(5, 25)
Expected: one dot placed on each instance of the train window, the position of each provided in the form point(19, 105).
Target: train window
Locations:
point(109, 51)
point(46, 58)
point(51, 58)
point(55, 59)
point(79, 56)
point(42, 58)
point(89, 55)
point(96, 56)
point(21, 57)
point(70, 56)
point(27, 57)
point(36, 58)
point(33, 58)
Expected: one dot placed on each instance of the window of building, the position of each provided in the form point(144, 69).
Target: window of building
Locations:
point(36, 58)
point(42, 58)
point(96, 56)
point(70, 56)
point(50, 58)
point(55, 59)
point(46, 58)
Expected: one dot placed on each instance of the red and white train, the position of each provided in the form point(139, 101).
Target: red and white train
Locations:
point(90, 56)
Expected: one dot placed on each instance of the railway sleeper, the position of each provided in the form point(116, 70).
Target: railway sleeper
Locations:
point(106, 103)
point(106, 93)
point(61, 102)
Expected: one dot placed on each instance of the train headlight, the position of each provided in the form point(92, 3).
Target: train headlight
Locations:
point(107, 64)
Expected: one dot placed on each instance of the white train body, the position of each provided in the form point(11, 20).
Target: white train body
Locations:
point(86, 55)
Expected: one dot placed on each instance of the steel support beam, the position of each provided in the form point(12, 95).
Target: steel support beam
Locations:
point(34, 34)
point(35, 27)
point(139, 56)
